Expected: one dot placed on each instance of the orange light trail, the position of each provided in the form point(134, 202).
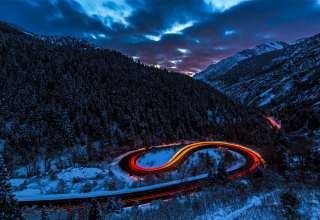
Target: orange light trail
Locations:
point(254, 158)
point(129, 164)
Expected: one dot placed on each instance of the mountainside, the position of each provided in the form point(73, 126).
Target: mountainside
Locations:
point(285, 82)
point(226, 64)
point(60, 95)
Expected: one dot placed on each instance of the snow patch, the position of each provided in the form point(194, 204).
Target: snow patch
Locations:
point(15, 182)
point(80, 173)
point(222, 214)
point(156, 158)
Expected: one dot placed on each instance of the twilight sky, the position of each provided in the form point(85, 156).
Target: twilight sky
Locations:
point(181, 35)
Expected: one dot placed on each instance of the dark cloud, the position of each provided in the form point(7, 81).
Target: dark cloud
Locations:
point(153, 30)
point(50, 17)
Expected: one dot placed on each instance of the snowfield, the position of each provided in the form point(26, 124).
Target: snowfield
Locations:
point(221, 214)
point(71, 180)
point(156, 159)
point(33, 197)
point(88, 173)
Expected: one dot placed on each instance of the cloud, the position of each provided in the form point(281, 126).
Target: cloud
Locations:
point(183, 50)
point(108, 11)
point(176, 28)
point(54, 17)
point(175, 61)
point(153, 37)
point(102, 35)
point(229, 32)
point(223, 5)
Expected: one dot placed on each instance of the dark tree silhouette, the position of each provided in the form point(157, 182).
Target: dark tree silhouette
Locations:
point(94, 213)
point(290, 204)
point(9, 208)
point(44, 213)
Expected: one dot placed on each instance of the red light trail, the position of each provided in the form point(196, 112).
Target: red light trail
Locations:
point(129, 164)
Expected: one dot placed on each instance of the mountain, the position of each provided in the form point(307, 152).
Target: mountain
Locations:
point(284, 82)
point(9, 28)
point(226, 64)
point(55, 96)
point(65, 41)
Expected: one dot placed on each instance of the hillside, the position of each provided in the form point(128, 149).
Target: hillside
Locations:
point(60, 94)
point(285, 82)
point(226, 64)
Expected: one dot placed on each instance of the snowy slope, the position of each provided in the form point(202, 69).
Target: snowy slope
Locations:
point(157, 158)
point(32, 197)
point(226, 64)
point(284, 82)
point(221, 214)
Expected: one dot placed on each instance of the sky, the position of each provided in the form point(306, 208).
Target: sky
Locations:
point(181, 35)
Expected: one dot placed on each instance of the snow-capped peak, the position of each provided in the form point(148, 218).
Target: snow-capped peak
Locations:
point(229, 62)
point(267, 47)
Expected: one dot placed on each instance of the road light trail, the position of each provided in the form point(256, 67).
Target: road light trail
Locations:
point(253, 159)
point(142, 196)
point(273, 122)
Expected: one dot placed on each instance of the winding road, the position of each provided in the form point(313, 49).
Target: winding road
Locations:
point(161, 191)
point(253, 160)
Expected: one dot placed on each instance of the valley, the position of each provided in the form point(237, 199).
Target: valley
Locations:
point(192, 110)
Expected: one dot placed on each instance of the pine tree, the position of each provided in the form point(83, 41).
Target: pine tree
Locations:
point(283, 164)
point(114, 205)
point(9, 208)
point(221, 170)
point(44, 214)
point(290, 204)
point(314, 160)
point(94, 213)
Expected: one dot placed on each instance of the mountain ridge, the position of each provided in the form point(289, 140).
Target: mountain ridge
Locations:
point(284, 82)
point(227, 63)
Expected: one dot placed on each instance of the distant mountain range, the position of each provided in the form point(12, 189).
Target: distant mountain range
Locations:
point(280, 78)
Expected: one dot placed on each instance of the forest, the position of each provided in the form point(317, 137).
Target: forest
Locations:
point(58, 93)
